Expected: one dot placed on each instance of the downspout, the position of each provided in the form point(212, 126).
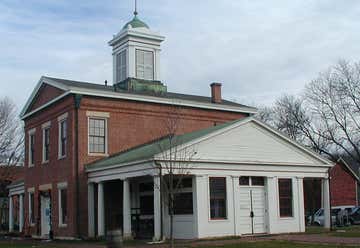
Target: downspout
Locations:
point(77, 101)
point(329, 170)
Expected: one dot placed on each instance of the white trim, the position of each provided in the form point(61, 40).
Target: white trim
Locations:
point(46, 125)
point(106, 136)
point(97, 114)
point(341, 160)
point(31, 221)
point(63, 116)
point(60, 121)
point(31, 190)
point(44, 187)
point(62, 185)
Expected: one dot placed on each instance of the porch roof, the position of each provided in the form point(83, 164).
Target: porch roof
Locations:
point(149, 150)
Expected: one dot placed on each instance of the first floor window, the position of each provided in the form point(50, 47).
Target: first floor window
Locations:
point(63, 206)
point(217, 187)
point(31, 208)
point(285, 197)
point(97, 135)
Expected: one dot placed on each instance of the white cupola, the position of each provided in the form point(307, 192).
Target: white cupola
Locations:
point(136, 57)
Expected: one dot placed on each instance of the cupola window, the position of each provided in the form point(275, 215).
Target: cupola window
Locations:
point(144, 64)
point(121, 66)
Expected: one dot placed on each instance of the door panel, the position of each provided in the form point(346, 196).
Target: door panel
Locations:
point(45, 216)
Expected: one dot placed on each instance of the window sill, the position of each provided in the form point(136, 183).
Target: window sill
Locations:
point(31, 165)
point(219, 220)
point(61, 157)
point(287, 218)
point(98, 154)
point(45, 162)
point(62, 225)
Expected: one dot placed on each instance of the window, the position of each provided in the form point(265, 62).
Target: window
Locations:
point(46, 144)
point(121, 66)
point(97, 135)
point(62, 138)
point(31, 208)
point(244, 181)
point(217, 197)
point(147, 204)
point(257, 181)
point(285, 197)
point(144, 64)
point(31, 148)
point(63, 206)
point(183, 203)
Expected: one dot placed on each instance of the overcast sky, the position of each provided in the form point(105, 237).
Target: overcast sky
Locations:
point(257, 49)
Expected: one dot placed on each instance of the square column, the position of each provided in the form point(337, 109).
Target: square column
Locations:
point(326, 202)
point(300, 184)
point(91, 211)
point(21, 212)
point(157, 208)
point(101, 210)
point(126, 209)
point(11, 215)
point(271, 204)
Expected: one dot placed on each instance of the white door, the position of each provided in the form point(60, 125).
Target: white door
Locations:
point(45, 216)
point(252, 210)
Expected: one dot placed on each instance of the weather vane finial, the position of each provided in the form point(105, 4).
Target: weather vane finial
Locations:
point(135, 12)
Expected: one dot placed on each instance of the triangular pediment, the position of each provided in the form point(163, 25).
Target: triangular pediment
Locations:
point(253, 142)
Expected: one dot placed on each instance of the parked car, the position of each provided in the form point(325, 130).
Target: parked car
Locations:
point(319, 215)
point(354, 216)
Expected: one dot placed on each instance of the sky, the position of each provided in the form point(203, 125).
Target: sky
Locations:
point(258, 50)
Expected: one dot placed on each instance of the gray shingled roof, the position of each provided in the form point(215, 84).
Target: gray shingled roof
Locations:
point(167, 95)
point(149, 150)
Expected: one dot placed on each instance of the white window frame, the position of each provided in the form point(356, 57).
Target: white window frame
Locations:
point(61, 119)
point(44, 127)
point(31, 191)
point(153, 64)
point(122, 67)
point(103, 116)
point(30, 157)
point(292, 198)
point(62, 186)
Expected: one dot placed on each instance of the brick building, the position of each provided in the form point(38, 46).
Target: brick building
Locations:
point(80, 136)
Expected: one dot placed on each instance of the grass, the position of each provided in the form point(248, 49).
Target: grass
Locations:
point(346, 232)
point(277, 244)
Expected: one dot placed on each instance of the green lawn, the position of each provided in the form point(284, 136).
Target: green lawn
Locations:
point(350, 231)
point(278, 244)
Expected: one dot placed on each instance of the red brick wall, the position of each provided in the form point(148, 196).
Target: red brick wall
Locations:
point(45, 94)
point(130, 124)
point(342, 186)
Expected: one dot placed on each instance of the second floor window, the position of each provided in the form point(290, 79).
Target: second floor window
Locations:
point(46, 144)
point(31, 149)
point(97, 135)
point(62, 138)
point(144, 64)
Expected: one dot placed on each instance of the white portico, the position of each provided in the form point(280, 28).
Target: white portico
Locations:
point(243, 178)
point(16, 196)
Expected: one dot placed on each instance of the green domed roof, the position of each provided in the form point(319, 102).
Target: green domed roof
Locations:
point(136, 23)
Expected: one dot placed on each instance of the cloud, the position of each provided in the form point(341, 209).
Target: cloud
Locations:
point(257, 49)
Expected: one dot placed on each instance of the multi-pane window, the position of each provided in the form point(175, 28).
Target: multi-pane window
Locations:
point(62, 138)
point(183, 197)
point(285, 197)
point(121, 66)
point(31, 208)
point(217, 187)
point(46, 144)
point(97, 135)
point(31, 149)
point(145, 64)
point(63, 215)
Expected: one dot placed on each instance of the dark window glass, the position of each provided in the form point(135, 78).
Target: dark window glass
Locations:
point(32, 207)
point(147, 204)
point(32, 148)
point(285, 197)
point(46, 144)
point(183, 203)
point(244, 181)
point(145, 187)
point(97, 135)
point(257, 181)
point(63, 196)
point(217, 197)
point(63, 137)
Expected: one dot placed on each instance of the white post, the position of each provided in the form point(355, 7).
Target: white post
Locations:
point(326, 197)
point(301, 204)
point(272, 204)
point(126, 209)
point(21, 212)
point(91, 211)
point(157, 209)
point(101, 210)
point(11, 215)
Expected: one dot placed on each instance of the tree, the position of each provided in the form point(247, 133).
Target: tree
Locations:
point(11, 134)
point(173, 163)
